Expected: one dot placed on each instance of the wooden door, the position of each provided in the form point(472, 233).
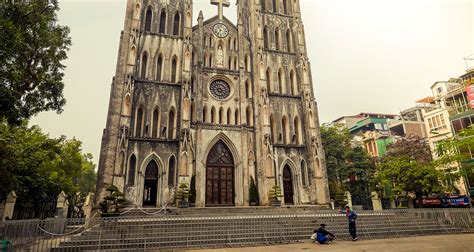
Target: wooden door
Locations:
point(288, 186)
point(220, 177)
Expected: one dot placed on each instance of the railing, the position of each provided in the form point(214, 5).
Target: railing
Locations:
point(227, 230)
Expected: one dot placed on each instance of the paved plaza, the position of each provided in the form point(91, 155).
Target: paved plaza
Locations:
point(441, 243)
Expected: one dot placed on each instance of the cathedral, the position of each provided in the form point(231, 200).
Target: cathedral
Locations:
point(218, 105)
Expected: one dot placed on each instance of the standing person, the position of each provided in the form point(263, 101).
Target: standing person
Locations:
point(352, 216)
point(323, 236)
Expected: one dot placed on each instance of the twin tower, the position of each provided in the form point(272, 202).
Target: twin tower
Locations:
point(217, 106)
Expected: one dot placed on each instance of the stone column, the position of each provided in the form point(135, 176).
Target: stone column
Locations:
point(376, 202)
point(348, 199)
point(9, 206)
point(62, 206)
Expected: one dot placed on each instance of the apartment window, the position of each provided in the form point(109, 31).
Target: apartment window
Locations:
point(438, 121)
point(442, 121)
point(434, 122)
point(439, 90)
point(430, 122)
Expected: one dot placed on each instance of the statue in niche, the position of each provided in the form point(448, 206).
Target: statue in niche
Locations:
point(220, 56)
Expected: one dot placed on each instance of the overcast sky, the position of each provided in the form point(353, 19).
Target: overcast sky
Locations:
point(367, 56)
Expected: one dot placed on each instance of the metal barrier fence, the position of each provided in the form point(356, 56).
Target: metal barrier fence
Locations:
point(261, 227)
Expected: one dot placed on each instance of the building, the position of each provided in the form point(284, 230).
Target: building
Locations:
point(411, 121)
point(372, 132)
point(218, 101)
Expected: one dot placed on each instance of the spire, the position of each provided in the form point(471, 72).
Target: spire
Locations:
point(201, 16)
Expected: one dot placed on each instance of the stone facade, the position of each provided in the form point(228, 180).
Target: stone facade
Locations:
point(219, 101)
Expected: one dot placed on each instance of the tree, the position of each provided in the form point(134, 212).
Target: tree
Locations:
point(409, 169)
point(336, 143)
point(360, 173)
point(32, 47)
point(412, 147)
point(38, 168)
point(457, 151)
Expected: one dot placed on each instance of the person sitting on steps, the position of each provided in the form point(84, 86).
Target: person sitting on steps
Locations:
point(323, 236)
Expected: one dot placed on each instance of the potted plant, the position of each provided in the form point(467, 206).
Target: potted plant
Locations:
point(113, 203)
point(253, 193)
point(275, 194)
point(182, 196)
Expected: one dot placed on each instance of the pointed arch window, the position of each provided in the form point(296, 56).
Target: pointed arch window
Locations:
point(193, 112)
point(159, 67)
point(274, 6)
point(285, 129)
point(204, 114)
point(144, 66)
point(139, 119)
point(221, 116)
point(171, 123)
point(213, 115)
point(304, 174)
point(236, 119)
point(262, 3)
point(277, 39)
point(176, 23)
point(162, 22)
point(289, 46)
point(148, 17)
point(286, 8)
point(273, 130)
point(171, 172)
point(131, 170)
point(269, 80)
point(297, 125)
point(265, 38)
point(281, 81)
point(294, 84)
point(229, 116)
point(248, 89)
point(249, 116)
point(155, 123)
point(174, 66)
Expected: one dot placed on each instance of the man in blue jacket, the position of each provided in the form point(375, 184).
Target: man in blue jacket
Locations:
point(323, 236)
point(352, 216)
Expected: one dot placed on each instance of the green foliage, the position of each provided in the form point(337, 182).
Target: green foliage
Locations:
point(337, 143)
point(38, 168)
point(458, 151)
point(182, 193)
point(340, 198)
point(410, 176)
point(408, 168)
point(349, 167)
point(253, 192)
point(275, 193)
point(112, 203)
point(32, 47)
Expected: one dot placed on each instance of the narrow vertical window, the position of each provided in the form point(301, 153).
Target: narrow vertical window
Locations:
point(274, 6)
point(159, 67)
point(139, 122)
point(229, 116)
point(131, 171)
point(162, 22)
point(156, 115)
point(277, 39)
point(171, 172)
point(269, 81)
point(265, 38)
point(304, 174)
point(176, 23)
point(288, 41)
point(148, 17)
point(144, 65)
point(171, 124)
point(174, 64)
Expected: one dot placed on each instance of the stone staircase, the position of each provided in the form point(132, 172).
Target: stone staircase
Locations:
point(204, 228)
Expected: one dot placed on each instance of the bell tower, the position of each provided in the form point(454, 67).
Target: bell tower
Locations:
point(287, 121)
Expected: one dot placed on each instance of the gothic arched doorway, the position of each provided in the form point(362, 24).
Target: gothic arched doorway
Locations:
point(220, 176)
point(288, 185)
point(150, 189)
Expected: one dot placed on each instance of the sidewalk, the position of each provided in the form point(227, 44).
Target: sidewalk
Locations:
point(443, 243)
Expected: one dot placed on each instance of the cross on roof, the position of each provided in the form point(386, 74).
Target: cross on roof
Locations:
point(221, 4)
